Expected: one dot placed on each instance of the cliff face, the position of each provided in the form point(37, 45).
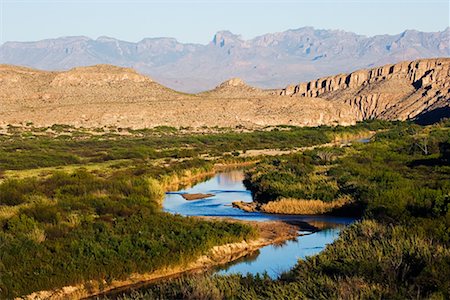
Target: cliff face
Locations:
point(399, 91)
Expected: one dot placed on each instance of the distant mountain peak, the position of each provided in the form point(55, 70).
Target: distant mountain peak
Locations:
point(225, 37)
point(104, 38)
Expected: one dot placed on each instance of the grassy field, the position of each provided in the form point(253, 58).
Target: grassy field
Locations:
point(32, 148)
point(71, 228)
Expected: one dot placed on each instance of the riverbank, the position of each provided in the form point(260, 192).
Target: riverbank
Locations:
point(237, 249)
point(192, 176)
point(272, 232)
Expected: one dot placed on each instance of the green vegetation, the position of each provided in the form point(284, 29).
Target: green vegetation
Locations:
point(71, 228)
point(67, 224)
point(301, 176)
point(23, 150)
point(369, 261)
point(400, 250)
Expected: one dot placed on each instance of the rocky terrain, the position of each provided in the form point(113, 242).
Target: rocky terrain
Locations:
point(105, 95)
point(395, 92)
point(268, 61)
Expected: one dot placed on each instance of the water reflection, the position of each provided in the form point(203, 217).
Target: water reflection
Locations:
point(231, 177)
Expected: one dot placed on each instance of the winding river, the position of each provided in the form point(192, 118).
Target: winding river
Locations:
point(273, 259)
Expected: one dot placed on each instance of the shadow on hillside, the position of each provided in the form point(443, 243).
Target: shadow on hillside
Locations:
point(431, 117)
point(429, 162)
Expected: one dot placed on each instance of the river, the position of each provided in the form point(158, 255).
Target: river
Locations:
point(273, 259)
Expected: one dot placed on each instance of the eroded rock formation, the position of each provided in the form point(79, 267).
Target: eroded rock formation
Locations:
point(399, 91)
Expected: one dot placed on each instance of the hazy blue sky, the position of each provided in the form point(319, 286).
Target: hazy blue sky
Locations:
point(197, 21)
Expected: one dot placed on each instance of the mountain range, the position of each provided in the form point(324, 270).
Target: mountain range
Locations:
point(268, 61)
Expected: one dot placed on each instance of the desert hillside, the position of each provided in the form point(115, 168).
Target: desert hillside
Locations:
point(105, 95)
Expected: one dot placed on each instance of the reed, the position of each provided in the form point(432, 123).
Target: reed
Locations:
point(300, 206)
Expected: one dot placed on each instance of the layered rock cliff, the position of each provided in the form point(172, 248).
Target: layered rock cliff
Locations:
point(398, 91)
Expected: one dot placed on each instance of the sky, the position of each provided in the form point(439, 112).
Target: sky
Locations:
point(196, 21)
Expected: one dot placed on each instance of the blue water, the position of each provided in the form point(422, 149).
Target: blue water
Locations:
point(227, 187)
point(274, 259)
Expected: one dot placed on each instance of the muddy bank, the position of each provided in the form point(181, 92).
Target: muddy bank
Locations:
point(269, 233)
point(246, 206)
point(196, 196)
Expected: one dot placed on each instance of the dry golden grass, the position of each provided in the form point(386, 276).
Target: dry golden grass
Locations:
point(300, 206)
point(7, 212)
point(37, 234)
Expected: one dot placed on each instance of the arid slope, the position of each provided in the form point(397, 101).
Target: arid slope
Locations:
point(105, 95)
point(111, 96)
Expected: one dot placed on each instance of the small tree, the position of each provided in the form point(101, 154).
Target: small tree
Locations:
point(421, 140)
point(422, 143)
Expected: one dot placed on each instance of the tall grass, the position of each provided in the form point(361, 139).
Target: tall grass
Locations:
point(306, 207)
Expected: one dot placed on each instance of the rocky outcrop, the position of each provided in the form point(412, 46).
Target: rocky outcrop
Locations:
point(398, 91)
point(235, 88)
point(99, 75)
point(233, 82)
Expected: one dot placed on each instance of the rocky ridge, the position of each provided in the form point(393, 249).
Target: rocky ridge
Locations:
point(397, 91)
point(106, 95)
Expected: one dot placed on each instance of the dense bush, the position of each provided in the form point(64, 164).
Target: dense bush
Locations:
point(26, 151)
point(71, 228)
point(293, 176)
